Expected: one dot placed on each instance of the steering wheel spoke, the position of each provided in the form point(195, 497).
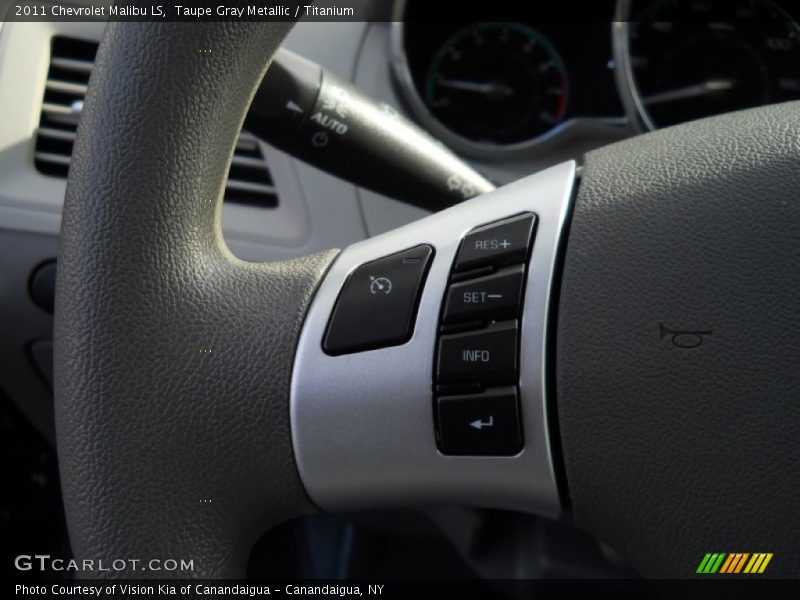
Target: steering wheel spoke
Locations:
point(365, 424)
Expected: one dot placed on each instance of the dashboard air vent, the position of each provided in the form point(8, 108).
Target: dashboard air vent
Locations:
point(71, 62)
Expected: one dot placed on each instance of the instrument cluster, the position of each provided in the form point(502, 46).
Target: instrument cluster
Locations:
point(501, 84)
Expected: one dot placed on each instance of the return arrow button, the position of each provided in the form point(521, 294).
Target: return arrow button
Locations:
point(483, 424)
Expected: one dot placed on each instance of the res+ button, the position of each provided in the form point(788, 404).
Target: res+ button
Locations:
point(498, 244)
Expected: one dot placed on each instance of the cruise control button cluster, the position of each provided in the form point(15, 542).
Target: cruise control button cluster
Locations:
point(477, 403)
point(378, 304)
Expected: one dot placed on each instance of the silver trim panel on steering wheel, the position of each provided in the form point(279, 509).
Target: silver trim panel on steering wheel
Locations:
point(363, 423)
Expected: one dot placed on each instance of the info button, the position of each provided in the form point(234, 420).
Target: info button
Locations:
point(488, 355)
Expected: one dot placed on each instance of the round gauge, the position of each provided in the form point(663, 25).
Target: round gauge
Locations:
point(497, 83)
point(690, 59)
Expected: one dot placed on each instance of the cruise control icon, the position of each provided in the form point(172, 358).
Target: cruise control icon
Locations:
point(380, 285)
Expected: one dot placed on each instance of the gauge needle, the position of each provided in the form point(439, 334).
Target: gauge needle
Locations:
point(707, 88)
point(493, 90)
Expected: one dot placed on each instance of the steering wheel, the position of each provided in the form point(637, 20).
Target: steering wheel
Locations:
point(643, 383)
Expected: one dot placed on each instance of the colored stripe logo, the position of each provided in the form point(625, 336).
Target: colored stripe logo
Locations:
point(734, 563)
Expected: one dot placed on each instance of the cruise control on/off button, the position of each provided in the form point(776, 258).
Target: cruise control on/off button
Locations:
point(378, 304)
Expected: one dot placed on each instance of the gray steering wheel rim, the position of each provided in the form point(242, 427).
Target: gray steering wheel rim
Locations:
point(172, 357)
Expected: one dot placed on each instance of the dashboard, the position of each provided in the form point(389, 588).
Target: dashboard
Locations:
point(498, 87)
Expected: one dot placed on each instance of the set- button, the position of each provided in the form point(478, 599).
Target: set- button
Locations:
point(493, 297)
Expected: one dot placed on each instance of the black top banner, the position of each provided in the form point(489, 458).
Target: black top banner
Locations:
point(189, 11)
point(294, 10)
